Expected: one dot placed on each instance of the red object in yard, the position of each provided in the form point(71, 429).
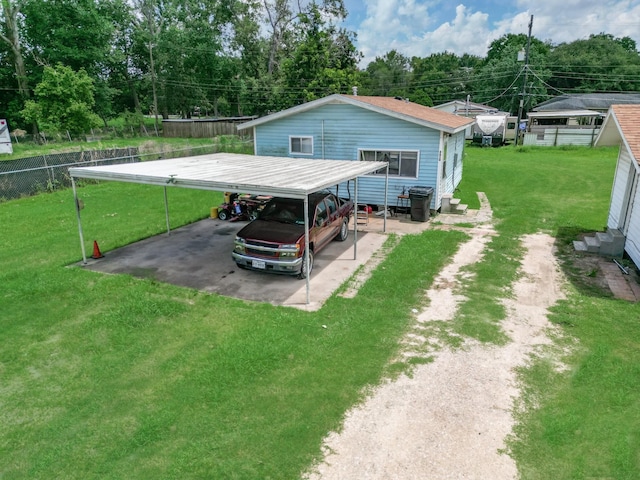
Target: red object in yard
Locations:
point(96, 250)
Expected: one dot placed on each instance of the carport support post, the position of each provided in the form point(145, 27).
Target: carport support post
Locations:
point(386, 201)
point(166, 211)
point(77, 204)
point(306, 243)
point(355, 219)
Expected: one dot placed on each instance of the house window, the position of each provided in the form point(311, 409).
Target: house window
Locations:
point(402, 163)
point(301, 145)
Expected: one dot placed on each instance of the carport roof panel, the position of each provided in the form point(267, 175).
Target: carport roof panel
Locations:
point(277, 176)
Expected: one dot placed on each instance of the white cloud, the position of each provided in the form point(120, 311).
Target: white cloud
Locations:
point(420, 28)
point(467, 33)
point(388, 25)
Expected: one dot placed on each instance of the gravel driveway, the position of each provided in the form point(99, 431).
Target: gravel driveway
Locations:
point(451, 417)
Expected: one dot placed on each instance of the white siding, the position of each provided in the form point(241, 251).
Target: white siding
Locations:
point(632, 244)
point(562, 136)
point(341, 131)
point(620, 182)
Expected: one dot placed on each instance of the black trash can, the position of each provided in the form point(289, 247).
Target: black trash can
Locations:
point(420, 198)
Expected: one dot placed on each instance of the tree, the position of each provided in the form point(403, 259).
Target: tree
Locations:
point(323, 62)
point(499, 82)
point(441, 77)
point(11, 37)
point(388, 75)
point(599, 64)
point(76, 33)
point(63, 101)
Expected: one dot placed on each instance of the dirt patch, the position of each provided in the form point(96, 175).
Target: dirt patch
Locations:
point(600, 276)
point(451, 417)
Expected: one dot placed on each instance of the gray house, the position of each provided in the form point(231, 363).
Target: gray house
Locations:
point(599, 102)
point(621, 127)
point(572, 119)
point(423, 146)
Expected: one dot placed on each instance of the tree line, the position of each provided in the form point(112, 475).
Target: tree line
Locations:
point(76, 64)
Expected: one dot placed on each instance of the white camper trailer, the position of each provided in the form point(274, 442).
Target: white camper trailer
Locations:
point(490, 130)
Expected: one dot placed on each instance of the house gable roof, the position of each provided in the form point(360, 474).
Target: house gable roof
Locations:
point(461, 106)
point(621, 125)
point(393, 107)
point(588, 101)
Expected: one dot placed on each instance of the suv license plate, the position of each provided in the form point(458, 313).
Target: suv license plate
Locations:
point(258, 264)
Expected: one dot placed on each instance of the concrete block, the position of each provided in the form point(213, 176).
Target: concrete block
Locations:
point(445, 206)
point(593, 244)
point(579, 246)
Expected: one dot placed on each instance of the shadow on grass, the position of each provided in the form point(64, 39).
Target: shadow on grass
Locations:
point(581, 269)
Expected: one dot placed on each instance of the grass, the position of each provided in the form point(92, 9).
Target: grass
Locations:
point(108, 376)
point(144, 145)
point(581, 421)
point(531, 189)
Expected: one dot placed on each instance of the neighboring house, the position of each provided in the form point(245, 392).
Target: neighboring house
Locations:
point(562, 127)
point(564, 118)
point(424, 146)
point(466, 109)
point(621, 127)
point(572, 119)
point(599, 102)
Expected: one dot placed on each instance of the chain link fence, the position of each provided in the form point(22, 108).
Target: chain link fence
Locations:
point(46, 173)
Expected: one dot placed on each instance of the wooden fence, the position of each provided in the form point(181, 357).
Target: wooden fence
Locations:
point(203, 127)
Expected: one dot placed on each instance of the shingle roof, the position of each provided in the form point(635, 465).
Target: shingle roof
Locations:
point(588, 101)
point(621, 126)
point(394, 107)
point(414, 110)
point(627, 119)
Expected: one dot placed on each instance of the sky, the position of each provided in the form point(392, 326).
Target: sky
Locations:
point(422, 27)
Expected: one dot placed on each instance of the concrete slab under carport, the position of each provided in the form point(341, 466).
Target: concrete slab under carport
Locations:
point(199, 256)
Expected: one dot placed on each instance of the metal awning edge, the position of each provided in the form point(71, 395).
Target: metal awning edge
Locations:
point(352, 169)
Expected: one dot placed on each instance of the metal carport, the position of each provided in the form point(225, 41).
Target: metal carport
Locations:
point(275, 176)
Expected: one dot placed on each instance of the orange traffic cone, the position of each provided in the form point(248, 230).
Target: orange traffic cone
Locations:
point(96, 250)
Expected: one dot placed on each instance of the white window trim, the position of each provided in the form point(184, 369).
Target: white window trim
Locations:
point(387, 149)
point(301, 137)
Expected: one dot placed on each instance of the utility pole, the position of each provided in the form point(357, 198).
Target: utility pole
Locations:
point(524, 84)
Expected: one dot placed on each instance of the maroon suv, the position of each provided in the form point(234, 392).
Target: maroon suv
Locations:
point(274, 242)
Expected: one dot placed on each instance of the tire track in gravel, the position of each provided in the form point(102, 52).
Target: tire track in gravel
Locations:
point(449, 419)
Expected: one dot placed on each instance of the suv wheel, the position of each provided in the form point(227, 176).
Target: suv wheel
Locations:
point(344, 231)
point(303, 271)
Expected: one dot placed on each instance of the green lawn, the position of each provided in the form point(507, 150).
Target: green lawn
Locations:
point(145, 145)
point(109, 376)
